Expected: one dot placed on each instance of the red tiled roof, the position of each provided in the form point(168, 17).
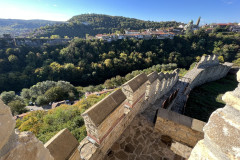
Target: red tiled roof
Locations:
point(98, 35)
point(224, 24)
point(21, 115)
point(132, 30)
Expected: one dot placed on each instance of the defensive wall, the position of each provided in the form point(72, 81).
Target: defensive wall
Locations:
point(14, 42)
point(206, 70)
point(106, 122)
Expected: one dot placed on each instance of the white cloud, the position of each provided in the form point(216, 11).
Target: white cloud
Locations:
point(54, 5)
point(228, 2)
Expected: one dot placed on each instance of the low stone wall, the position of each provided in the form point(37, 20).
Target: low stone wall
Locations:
point(180, 128)
point(62, 145)
point(221, 133)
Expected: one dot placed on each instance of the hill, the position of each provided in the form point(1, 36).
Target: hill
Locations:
point(19, 27)
point(92, 24)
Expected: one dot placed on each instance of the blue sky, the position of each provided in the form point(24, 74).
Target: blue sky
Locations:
point(155, 10)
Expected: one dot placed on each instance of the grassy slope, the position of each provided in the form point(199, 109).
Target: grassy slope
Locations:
point(206, 98)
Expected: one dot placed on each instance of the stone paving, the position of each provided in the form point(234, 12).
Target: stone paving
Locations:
point(140, 142)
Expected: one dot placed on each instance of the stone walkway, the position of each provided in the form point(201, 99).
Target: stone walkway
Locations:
point(140, 142)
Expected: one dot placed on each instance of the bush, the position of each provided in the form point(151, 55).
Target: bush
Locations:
point(8, 96)
point(17, 107)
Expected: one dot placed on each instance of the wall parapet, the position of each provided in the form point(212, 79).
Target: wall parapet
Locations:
point(180, 128)
point(208, 61)
point(106, 120)
point(62, 145)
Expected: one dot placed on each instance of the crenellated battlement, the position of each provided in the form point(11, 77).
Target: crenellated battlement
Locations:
point(106, 120)
point(207, 61)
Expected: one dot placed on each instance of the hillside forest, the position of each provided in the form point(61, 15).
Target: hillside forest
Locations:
point(91, 62)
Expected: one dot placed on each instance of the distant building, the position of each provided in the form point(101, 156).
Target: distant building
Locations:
point(209, 30)
point(148, 34)
point(235, 28)
point(192, 27)
point(57, 104)
point(34, 108)
point(132, 32)
point(221, 25)
point(20, 116)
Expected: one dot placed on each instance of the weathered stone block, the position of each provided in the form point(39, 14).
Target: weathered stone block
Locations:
point(62, 145)
point(7, 123)
point(28, 147)
point(102, 109)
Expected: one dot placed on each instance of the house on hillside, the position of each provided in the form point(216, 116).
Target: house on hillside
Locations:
point(131, 32)
point(57, 104)
point(20, 116)
point(235, 28)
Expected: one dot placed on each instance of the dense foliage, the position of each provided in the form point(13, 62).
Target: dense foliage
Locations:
point(45, 124)
point(91, 62)
point(42, 93)
point(92, 24)
point(119, 80)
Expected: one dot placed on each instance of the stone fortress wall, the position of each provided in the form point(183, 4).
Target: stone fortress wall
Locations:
point(14, 42)
point(106, 121)
point(105, 126)
point(206, 70)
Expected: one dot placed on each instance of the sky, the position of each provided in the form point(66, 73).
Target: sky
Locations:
point(219, 11)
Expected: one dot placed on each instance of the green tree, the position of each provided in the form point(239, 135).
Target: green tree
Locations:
point(55, 37)
point(8, 96)
point(55, 94)
point(17, 107)
point(221, 59)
